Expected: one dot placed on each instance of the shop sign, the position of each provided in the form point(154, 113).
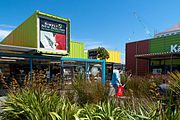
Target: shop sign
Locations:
point(53, 35)
point(175, 48)
point(92, 53)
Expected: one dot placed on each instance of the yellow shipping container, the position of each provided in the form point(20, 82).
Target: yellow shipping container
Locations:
point(114, 56)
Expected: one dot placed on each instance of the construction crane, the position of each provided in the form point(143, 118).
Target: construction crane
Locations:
point(145, 28)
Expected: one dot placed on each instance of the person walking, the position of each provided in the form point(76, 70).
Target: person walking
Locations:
point(116, 79)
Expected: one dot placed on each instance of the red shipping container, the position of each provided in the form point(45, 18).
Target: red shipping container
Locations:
point(137, 48)
point(130, 57)
point(142, 64)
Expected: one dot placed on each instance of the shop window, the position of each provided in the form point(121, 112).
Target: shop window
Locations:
point(13, 69)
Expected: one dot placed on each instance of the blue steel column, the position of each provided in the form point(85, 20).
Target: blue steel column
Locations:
point(86, 71)
point(31, 68)
point(103, 72)
point(62, 73)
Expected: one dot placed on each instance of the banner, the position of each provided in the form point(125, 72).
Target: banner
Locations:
point(52, 35)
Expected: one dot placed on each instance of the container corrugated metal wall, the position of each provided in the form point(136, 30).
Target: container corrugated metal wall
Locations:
point(142, 64)
point(24, 35)
point(157, 45)
point(171, 40)
point(130, 57)
point(137, 66)
point(163, 44)
point(76, 50)
point(86, 55)
point(114, 56)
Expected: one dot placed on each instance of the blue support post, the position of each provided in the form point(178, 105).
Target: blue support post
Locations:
point(31, 68)
point(62, 73)
point(86, 71)
point(62, 63)
point(103, 72)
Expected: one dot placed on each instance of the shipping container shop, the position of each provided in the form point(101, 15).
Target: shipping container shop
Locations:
point(113, 62)
point(153, 56)
point(41, 45)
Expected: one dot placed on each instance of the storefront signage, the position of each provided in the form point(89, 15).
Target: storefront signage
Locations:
point(92, 54)
point(53, 35)
point(175, 48)
point(51, 26)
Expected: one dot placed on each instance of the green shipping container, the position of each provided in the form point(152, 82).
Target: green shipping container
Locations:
point(77, 50)
point(165, 44)
point(48, 33)
point(86, 54)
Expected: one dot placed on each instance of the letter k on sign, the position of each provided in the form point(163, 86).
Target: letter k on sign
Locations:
point(173, 48)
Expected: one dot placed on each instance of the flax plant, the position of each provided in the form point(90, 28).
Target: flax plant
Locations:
point(33, 104)
point(38, 99)
point(89, 91)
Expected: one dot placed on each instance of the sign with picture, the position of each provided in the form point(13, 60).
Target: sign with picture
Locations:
point(53, 35)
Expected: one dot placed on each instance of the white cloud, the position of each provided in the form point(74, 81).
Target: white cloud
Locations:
point(123, 54)
point(5, 30)
point(122, 61)
point(91, 44)
point(7, 26)
point(4, 33)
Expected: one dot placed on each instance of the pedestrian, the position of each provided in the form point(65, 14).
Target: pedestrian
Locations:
point(116, 79)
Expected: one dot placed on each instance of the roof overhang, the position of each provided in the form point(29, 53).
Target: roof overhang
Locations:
point(16, 48)
point(159, 55)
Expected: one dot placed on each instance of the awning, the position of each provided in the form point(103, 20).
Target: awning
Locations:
point(159, 55)
point(16, 48)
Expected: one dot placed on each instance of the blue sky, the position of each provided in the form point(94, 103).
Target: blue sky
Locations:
point(107, 23)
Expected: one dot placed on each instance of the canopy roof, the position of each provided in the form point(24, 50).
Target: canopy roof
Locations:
point(159, 55)
point(16, 48)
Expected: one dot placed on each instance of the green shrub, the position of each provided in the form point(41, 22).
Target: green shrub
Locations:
point(89, 91)
point(40, 100)
point(34, 104)
point(107, 110)
point(139, 87)
point(175, 86)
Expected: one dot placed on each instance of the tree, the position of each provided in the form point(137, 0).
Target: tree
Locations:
point(102, 53)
